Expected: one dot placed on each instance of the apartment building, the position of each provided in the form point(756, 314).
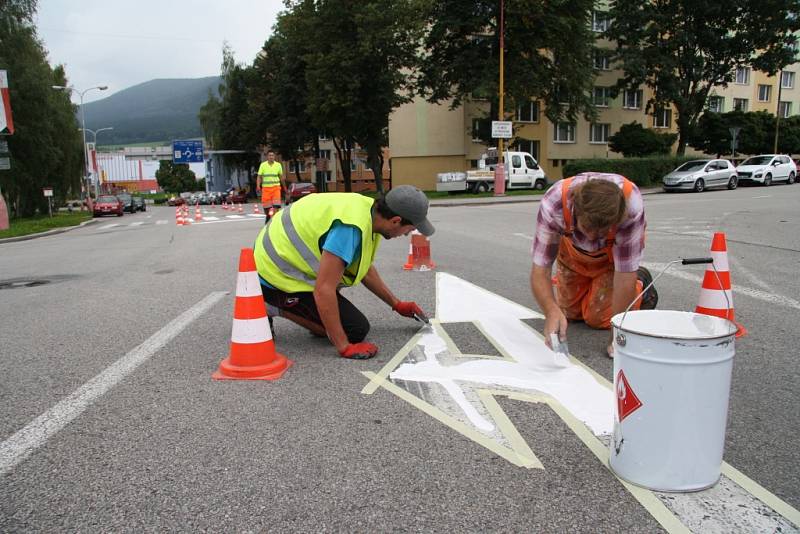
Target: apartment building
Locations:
point(426, 139)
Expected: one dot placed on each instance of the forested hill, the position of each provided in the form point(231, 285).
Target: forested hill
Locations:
point(158, 110)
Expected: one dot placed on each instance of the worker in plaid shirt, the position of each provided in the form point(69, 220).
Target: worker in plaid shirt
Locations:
point(592, 225)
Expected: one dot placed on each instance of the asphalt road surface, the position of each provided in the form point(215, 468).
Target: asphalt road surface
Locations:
point(109, 419)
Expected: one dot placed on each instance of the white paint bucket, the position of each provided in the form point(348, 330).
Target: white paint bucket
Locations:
point(672, 379)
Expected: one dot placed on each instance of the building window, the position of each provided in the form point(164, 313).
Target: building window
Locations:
point(784, 109)
point(787, 80)
point(600, 59)
point(353, 164)
point(476, 129)
point(324, 154)
point(324, 136)
point(599, 132)
point(743, 75)
point(564, 132)
point(764, 93)
point(716, 104)
point(633, 99)
point(739, 104)
point(600, 21)
point(601, 96)
point(529, 146)
point(528, 112)
point(324, 175)
point(300, 164)
point(662, 118)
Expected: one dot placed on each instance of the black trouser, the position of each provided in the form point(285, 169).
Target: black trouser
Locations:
point(355, 324)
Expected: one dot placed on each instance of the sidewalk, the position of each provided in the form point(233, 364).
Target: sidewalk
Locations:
point(467, 200)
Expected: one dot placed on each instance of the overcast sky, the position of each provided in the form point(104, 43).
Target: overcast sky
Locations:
point(121, 43)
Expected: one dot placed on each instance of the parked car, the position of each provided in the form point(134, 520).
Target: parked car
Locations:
point(701, 174)
point(237, 197)
point(298, 190)
point(766, 169)
point(187, 197)
point(141, 205)
point(108, 205)
point(175, 201)
point(128, 203)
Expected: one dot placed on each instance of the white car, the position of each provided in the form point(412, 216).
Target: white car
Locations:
point(766, 169)
point(701, 174)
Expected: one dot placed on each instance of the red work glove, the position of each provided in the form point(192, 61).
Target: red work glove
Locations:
point(359, 351)
point(408, 308)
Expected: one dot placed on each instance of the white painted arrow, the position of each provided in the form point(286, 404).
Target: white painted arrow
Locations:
point(528, 364)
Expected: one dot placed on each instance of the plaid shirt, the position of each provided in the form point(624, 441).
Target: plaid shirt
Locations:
point(629, 241)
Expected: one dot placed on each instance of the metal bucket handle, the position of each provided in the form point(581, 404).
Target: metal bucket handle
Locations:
point(683, 261)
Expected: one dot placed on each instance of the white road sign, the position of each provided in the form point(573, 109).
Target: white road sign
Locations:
point(502, 130)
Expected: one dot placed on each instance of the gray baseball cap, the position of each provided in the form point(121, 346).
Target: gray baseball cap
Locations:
point(410, 203)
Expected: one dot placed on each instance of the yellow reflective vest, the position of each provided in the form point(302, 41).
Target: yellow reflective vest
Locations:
point(287, 250)
point(270, 174)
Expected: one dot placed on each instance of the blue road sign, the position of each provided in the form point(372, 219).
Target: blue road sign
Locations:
point(187, 152)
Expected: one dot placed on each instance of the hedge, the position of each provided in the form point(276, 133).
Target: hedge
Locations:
point(642, 171)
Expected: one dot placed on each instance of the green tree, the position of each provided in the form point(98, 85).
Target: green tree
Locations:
point(46, 147)
point(635, 141)
point(682, 49)
point(359, 70)
point(176, 178)
point(756, 136)
point(548, 47)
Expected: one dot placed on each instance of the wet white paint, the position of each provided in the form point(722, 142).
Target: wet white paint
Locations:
point(531, 365)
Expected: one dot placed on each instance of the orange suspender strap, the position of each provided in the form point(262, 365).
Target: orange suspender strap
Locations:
point(567, 213)
point(627, 187)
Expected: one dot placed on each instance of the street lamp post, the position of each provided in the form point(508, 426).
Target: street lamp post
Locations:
point(83, 128)
point(94, 137)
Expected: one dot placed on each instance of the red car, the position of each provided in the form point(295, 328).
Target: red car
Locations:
point(108, 205)
point(298, 190)
point(175, 201)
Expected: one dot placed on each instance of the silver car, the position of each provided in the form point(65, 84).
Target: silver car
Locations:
point(701, 174)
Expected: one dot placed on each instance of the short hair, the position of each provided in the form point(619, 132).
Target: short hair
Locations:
point(599, 204)
point(386, 212)
point(270, 151)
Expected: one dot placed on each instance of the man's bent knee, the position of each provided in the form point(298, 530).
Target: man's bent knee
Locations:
point(357, 331)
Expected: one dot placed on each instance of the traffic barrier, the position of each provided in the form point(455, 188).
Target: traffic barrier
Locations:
point(252, 352)
point(420, 258)
point(714, 290)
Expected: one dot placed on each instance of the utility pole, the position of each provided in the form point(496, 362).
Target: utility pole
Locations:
point(499, 169)
point(778, 111)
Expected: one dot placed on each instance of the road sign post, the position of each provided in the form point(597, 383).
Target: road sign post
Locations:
point(734, 130)
point(48, 193)
point(501, 130)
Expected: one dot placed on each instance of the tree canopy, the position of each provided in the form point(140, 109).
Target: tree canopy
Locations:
point(633, 140)
point(46, 147)
point(175, 177)
point(681, 49)
point(756, 135)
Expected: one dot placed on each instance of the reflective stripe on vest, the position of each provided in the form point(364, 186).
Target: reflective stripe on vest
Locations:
point(287, 250)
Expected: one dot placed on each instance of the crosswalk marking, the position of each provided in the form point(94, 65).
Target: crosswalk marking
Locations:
point(106, 227)
point(161, 221)
point(137, 223)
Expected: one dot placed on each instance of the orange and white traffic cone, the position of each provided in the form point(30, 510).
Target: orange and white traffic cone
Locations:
point(252, 353)
point(714, 290)
point(198, 217)
point(410, 260)
point(224, 205)
point(241, 208)
point(420, 258)
point(179, 218)
point(256, 210)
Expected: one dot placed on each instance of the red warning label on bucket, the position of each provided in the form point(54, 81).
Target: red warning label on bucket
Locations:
point(627, 401)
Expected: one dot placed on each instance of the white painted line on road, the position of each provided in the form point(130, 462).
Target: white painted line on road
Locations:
point(19, 446)
point(763, 196)
point(737, 289)
point(137, 223)
point(524, 236)
point(107, 226)
point(210, 218)
point(161, 221)
point(235, 216)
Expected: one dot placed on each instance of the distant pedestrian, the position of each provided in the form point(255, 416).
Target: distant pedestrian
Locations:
point(270, 184)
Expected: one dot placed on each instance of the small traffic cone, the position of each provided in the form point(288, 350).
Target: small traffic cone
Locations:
point(252, 353)
point(224, 205)
point(241, 208)
point(255, 209)
point(179, 218)
point(198, 217)
point(420, 253)
point(410, 260)
point(712, 295)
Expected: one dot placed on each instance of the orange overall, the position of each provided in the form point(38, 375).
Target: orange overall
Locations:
point(585, 280)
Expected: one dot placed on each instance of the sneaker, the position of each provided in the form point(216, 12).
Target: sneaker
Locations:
point(271, 327)
point(650, 297)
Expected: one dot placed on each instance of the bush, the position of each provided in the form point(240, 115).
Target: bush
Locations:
point(634, 141)
point(641, 171)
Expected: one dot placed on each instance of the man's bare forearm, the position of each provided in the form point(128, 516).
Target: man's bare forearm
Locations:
point(542, 288)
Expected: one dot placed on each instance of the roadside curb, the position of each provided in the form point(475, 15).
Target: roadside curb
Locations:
point(509, 200)
point(54, 231)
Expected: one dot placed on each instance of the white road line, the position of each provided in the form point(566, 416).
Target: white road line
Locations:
point(137, 223)
point(107, 226)
point(161, 221)
point(763, 196)
point(210, 218)
point(235, 216)
point(19, 446)
point(524, 236)
point(737, 289)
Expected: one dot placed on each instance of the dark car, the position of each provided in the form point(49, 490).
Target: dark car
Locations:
point(107, 205)
point(298, 190)
point(128, 203)
point(141, 205)
point(236, 197)
point(175, 201)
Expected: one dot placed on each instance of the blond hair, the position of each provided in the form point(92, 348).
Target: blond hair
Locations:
point(598, 205)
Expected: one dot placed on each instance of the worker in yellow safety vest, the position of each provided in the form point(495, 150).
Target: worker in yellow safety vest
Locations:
point(270, 183)
point(326, 241)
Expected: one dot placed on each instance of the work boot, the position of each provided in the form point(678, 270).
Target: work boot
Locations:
point(271, 327)
point(650, 297)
